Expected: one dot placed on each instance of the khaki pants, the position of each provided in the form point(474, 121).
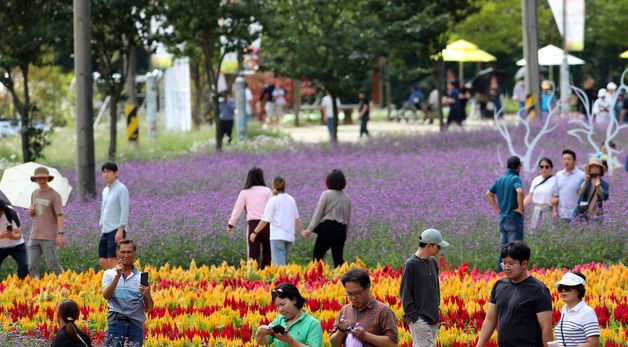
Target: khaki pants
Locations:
point(49, 249)
point(423, 334)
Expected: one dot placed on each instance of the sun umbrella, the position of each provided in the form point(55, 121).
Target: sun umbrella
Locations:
point(624, 55)
point(465, 51)
point(17, 186)
point(551, 55)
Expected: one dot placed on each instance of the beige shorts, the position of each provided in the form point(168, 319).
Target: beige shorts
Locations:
point(423, 334)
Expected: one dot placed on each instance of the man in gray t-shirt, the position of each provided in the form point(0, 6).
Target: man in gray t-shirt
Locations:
point(420, 289)
point(565, 190)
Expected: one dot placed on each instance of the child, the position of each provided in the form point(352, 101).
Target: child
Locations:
point(282, 214)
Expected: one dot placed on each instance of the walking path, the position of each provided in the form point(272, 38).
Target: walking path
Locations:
point(350, 133)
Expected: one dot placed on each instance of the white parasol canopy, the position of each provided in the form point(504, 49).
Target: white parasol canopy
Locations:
point(552, 55)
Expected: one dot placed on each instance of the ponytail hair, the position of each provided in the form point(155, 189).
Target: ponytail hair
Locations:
point(68, 311)
point(279, 185)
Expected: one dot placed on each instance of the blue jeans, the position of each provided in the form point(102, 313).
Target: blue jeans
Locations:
point(510, 229)
point(121, 331)
point(330, 125)
point(279, 251)
point(19, 255)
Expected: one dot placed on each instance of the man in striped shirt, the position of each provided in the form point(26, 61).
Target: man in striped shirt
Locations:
point(365, 319)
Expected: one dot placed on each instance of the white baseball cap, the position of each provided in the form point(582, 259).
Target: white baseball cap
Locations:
point(611, 85)
point(570, 279)
point(433, 236)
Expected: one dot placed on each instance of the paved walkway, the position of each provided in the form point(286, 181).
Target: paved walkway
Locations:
point(350, 133)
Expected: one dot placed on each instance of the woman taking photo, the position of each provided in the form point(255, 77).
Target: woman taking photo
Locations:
point(541, 193)
point(293, 326)
point(578, 324)
point(331, 218)
point(253, 199)
point(69, 335)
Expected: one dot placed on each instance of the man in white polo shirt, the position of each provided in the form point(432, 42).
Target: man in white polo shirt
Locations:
point(565, 191)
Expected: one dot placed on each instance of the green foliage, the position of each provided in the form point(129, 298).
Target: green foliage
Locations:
point(29, 30)
point(206, 31)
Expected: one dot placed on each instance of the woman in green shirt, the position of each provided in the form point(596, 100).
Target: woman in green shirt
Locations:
point(293, 326)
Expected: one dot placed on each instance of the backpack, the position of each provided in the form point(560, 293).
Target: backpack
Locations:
point(11, 215)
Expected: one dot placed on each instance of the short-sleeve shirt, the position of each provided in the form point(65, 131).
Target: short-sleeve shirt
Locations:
point(307, 330)
point(281, 213)
point(6, 242)
point(542, 189)
point(126, 300)
point(566, 189)
point(505, 188)
point(375, 318)
point(47, 207)
point(576, 325)
point(517, 305)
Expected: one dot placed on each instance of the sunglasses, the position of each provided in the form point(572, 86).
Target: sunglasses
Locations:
point(545, 166)
point(278, 293)
point(566, 289)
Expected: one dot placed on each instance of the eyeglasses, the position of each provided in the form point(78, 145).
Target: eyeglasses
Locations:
point(355, 294)
point(565, 289)
point(545, 166)
point(508, 265)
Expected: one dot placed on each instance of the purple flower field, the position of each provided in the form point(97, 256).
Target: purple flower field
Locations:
point(399, 186)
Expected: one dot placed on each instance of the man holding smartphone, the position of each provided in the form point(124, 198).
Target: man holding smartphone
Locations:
point(11, 240)
point(129, 300)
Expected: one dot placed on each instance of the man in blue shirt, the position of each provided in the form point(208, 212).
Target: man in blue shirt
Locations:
point(508, 190)
point(114, 215)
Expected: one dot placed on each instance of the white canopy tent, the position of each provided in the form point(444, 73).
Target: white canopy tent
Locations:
point(551, 55)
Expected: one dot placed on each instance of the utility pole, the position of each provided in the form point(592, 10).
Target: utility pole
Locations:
point(240, 85)
point(130, 109)
point(85, 160)
point(530, 52)
point(564, 68)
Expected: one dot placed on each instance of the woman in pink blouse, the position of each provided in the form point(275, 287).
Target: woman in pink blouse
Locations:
point(253, 199)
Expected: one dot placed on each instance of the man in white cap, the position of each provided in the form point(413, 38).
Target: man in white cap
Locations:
point(47, 230)
point(601, 108)
point(420, 289)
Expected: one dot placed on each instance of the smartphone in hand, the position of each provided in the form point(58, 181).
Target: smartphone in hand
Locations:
point(144, 278)
point(279, 329)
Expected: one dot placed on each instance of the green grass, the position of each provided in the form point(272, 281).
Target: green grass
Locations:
point(62, 151)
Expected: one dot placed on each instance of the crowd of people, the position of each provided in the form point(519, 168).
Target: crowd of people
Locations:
point(519, 306)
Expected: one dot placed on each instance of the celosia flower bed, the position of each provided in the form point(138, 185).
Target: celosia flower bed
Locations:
point(222, 306)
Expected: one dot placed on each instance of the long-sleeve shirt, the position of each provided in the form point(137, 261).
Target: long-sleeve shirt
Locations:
point(253, 200)
point(114, 211)
point(420, 290)
point(333, 205)
point(599, 193)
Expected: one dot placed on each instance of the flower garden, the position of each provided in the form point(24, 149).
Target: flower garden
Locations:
point(223, 305)
point(205, 294)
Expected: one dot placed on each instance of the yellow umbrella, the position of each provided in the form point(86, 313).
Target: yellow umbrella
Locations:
point(624, 55)
point(462, 51)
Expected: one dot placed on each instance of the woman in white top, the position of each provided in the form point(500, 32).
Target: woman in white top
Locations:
point(578, 325)
point(282, 215)
point(601, 109)
point(541, 193)
point(253, 199)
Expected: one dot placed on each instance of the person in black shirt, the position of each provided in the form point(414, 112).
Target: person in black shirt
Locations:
point(363, 113)
point(69, 335)
point(420, 289)
point(591, 94)
point(520, 306)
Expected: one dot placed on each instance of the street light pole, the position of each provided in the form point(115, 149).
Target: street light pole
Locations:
point(85, 160)
point(564, 68)
point(530, 52)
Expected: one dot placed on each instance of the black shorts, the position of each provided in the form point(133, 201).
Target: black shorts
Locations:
point(107, 244)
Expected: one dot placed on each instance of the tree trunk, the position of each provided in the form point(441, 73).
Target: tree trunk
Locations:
point(334, 128)
point(113, 123)
point(199, 92)
point(27, 154)
point(440, 78)
point(296, 99)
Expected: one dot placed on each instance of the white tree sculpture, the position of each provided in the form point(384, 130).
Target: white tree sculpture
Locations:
point(588, 129)
point(528, 139)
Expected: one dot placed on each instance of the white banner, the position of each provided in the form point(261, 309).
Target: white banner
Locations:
point(575, 21)
point(178, 96)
